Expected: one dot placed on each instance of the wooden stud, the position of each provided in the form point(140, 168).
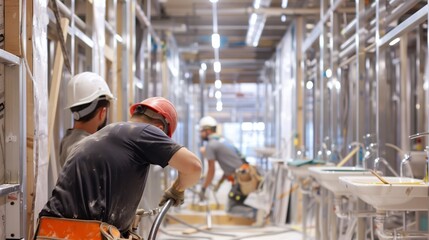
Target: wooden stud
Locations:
point(12, 16)
point(54, 93)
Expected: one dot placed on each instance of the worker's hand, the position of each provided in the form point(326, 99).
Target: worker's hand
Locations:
point(202, 194)
point(173, 193)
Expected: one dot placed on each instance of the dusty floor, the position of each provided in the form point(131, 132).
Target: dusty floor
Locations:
point(223, 232)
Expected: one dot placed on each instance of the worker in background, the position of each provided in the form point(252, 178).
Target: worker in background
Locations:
point(218, 149)
point(105, 174)
point(88, 98)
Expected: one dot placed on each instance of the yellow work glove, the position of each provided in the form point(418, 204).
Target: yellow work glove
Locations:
point(175, 194)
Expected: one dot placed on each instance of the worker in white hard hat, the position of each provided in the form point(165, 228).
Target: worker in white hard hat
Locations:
point(88, 98)
point(105, 175)
point(218, 149)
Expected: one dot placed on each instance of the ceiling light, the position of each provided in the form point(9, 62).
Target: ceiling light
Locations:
point(216, 66)
point(328, 73)
point(394, 41)
point(256, 25)
point(309, 85)
point(309, 26)
point(203, 66)
point(219, 106)
point(215, 40)
point(284, 3)
point(283, 18)
point(257, 4)
point(218, 84)
point(218, 94)
point(214, 1)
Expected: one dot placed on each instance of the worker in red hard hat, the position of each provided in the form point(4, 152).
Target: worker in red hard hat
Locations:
point(105, 175)
point(88, 98)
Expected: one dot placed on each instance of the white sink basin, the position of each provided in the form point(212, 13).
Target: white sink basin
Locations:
point(328, 177)
point(299, 172)
point(299, 168)
point(400, 194)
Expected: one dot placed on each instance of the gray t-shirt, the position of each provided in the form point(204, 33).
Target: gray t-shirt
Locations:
point(72, 137)
point(225, 153)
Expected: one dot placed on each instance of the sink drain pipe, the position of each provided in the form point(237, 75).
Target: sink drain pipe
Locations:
point(380, 219)
point(347, 214)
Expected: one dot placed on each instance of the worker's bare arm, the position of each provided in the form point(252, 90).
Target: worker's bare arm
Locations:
point(210, 173)
point(189, 167)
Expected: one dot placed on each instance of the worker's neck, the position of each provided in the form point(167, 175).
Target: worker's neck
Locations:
point(89, 127)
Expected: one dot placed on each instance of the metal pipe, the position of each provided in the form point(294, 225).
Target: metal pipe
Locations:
point(159, 219)
point(143, 19)
point(66, 11)
point(342, 214)
point(380, 219)
point(399, 11)
point(351, 26)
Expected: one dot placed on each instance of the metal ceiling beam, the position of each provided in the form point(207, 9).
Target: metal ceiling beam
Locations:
point(234, 27)
point(294, 11)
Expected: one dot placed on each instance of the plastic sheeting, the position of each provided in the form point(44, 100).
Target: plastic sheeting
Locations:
point(40, 77)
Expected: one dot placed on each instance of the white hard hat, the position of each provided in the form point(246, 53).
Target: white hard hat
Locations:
point(85, 87)
point(207, 121)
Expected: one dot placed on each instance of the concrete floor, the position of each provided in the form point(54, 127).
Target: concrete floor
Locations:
point(223, 232)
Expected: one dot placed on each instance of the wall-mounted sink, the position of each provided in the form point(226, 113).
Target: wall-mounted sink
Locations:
point(400, 194)
point(299, 168)
point(328, 176)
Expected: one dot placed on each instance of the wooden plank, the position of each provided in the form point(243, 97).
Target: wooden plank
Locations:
point(29, 121)
point(108, 53)
point(54, 92)
point(116, 88)
point(12, 14)
point(218, 219)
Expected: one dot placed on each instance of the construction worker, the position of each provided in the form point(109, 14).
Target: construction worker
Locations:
point(218, 149)
point(88, 98)
point(105, 174)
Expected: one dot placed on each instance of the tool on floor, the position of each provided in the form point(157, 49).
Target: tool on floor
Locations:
point(158, 220)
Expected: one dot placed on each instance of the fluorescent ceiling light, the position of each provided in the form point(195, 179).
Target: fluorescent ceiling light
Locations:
point(214, 1)
point(219, 106)
point(218, 94)
point(256, 25)
point(257, 4)
point(218, 84)
point(394, 41)
point(215, 40)
point(309, 85)
point(284, 3)
point(328, 73)
point(216, 66)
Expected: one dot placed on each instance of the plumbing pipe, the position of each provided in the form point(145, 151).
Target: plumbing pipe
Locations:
point(342, 214)
point(380, 219)
point(396, 148)
point(382, 160)
point(405, 160)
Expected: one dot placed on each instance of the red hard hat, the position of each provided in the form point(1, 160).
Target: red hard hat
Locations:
point(163, 107)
